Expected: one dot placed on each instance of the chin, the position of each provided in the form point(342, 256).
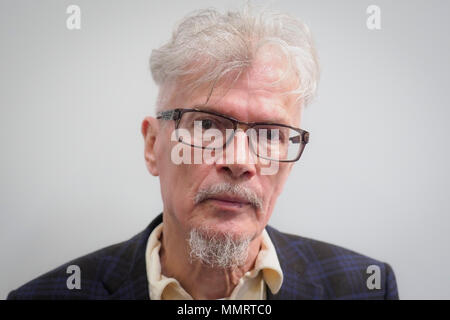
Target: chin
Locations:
point(227, 229)
point(207, 218)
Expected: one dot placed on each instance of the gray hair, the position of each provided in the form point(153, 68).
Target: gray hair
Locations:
point(207, 45)
point(231, 189)
point(218, 250)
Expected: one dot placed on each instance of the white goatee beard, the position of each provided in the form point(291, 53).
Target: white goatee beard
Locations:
point(218, 250)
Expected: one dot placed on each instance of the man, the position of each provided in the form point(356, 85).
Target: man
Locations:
point(226, 135)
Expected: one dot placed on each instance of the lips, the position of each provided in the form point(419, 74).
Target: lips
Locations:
point(229, 200)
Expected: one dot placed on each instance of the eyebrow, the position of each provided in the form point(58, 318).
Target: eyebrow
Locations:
point(271, 120)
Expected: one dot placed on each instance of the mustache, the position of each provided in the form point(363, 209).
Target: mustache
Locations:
point(242, 192)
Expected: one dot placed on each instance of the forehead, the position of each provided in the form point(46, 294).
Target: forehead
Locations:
point(259, 93)
point(247, 104)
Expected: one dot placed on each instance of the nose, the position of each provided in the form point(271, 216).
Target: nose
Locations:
point(237, 161)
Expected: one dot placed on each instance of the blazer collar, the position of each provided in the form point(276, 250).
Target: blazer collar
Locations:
point(131, 280)
point(297, 285)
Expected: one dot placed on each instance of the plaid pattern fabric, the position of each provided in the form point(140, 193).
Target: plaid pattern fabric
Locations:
point(312, 270)
point(317, 270)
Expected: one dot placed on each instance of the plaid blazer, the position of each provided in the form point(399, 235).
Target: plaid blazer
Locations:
point(312, 270)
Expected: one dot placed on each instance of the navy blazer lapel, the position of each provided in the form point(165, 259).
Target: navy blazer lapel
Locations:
point(297, 285)
point(129, 280)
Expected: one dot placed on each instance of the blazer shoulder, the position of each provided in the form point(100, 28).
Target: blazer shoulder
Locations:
point(99, 272)
point(340, 272)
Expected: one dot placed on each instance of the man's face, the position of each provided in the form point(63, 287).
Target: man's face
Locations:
point(251, 99)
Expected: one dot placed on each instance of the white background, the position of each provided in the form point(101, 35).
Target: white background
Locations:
point(374, 178)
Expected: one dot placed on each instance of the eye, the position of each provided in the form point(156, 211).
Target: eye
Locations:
point(295, 139)
point(204, 123)
point(207, 124)
point(275, 134)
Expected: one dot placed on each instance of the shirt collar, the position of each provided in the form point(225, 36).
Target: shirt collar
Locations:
point(266, 262)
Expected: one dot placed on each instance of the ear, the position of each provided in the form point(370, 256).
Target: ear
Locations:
point(149, 130)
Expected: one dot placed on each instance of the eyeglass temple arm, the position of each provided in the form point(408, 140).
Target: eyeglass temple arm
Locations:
point(169, 115)
point(300, 138)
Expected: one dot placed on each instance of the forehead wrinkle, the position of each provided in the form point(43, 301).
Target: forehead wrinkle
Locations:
point(258, 107)
point(235, 94)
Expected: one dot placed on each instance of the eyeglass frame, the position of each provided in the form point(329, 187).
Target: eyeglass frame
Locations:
point(176, 115)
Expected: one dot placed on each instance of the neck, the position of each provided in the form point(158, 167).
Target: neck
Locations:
point(201, 281)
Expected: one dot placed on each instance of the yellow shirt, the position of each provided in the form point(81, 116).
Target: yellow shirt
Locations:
point(250, 287)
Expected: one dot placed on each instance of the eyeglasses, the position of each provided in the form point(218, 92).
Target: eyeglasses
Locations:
point(271, 141)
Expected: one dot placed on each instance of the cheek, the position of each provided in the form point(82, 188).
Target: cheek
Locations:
point(169, 175)
point(275, 183)
point(180, 184)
